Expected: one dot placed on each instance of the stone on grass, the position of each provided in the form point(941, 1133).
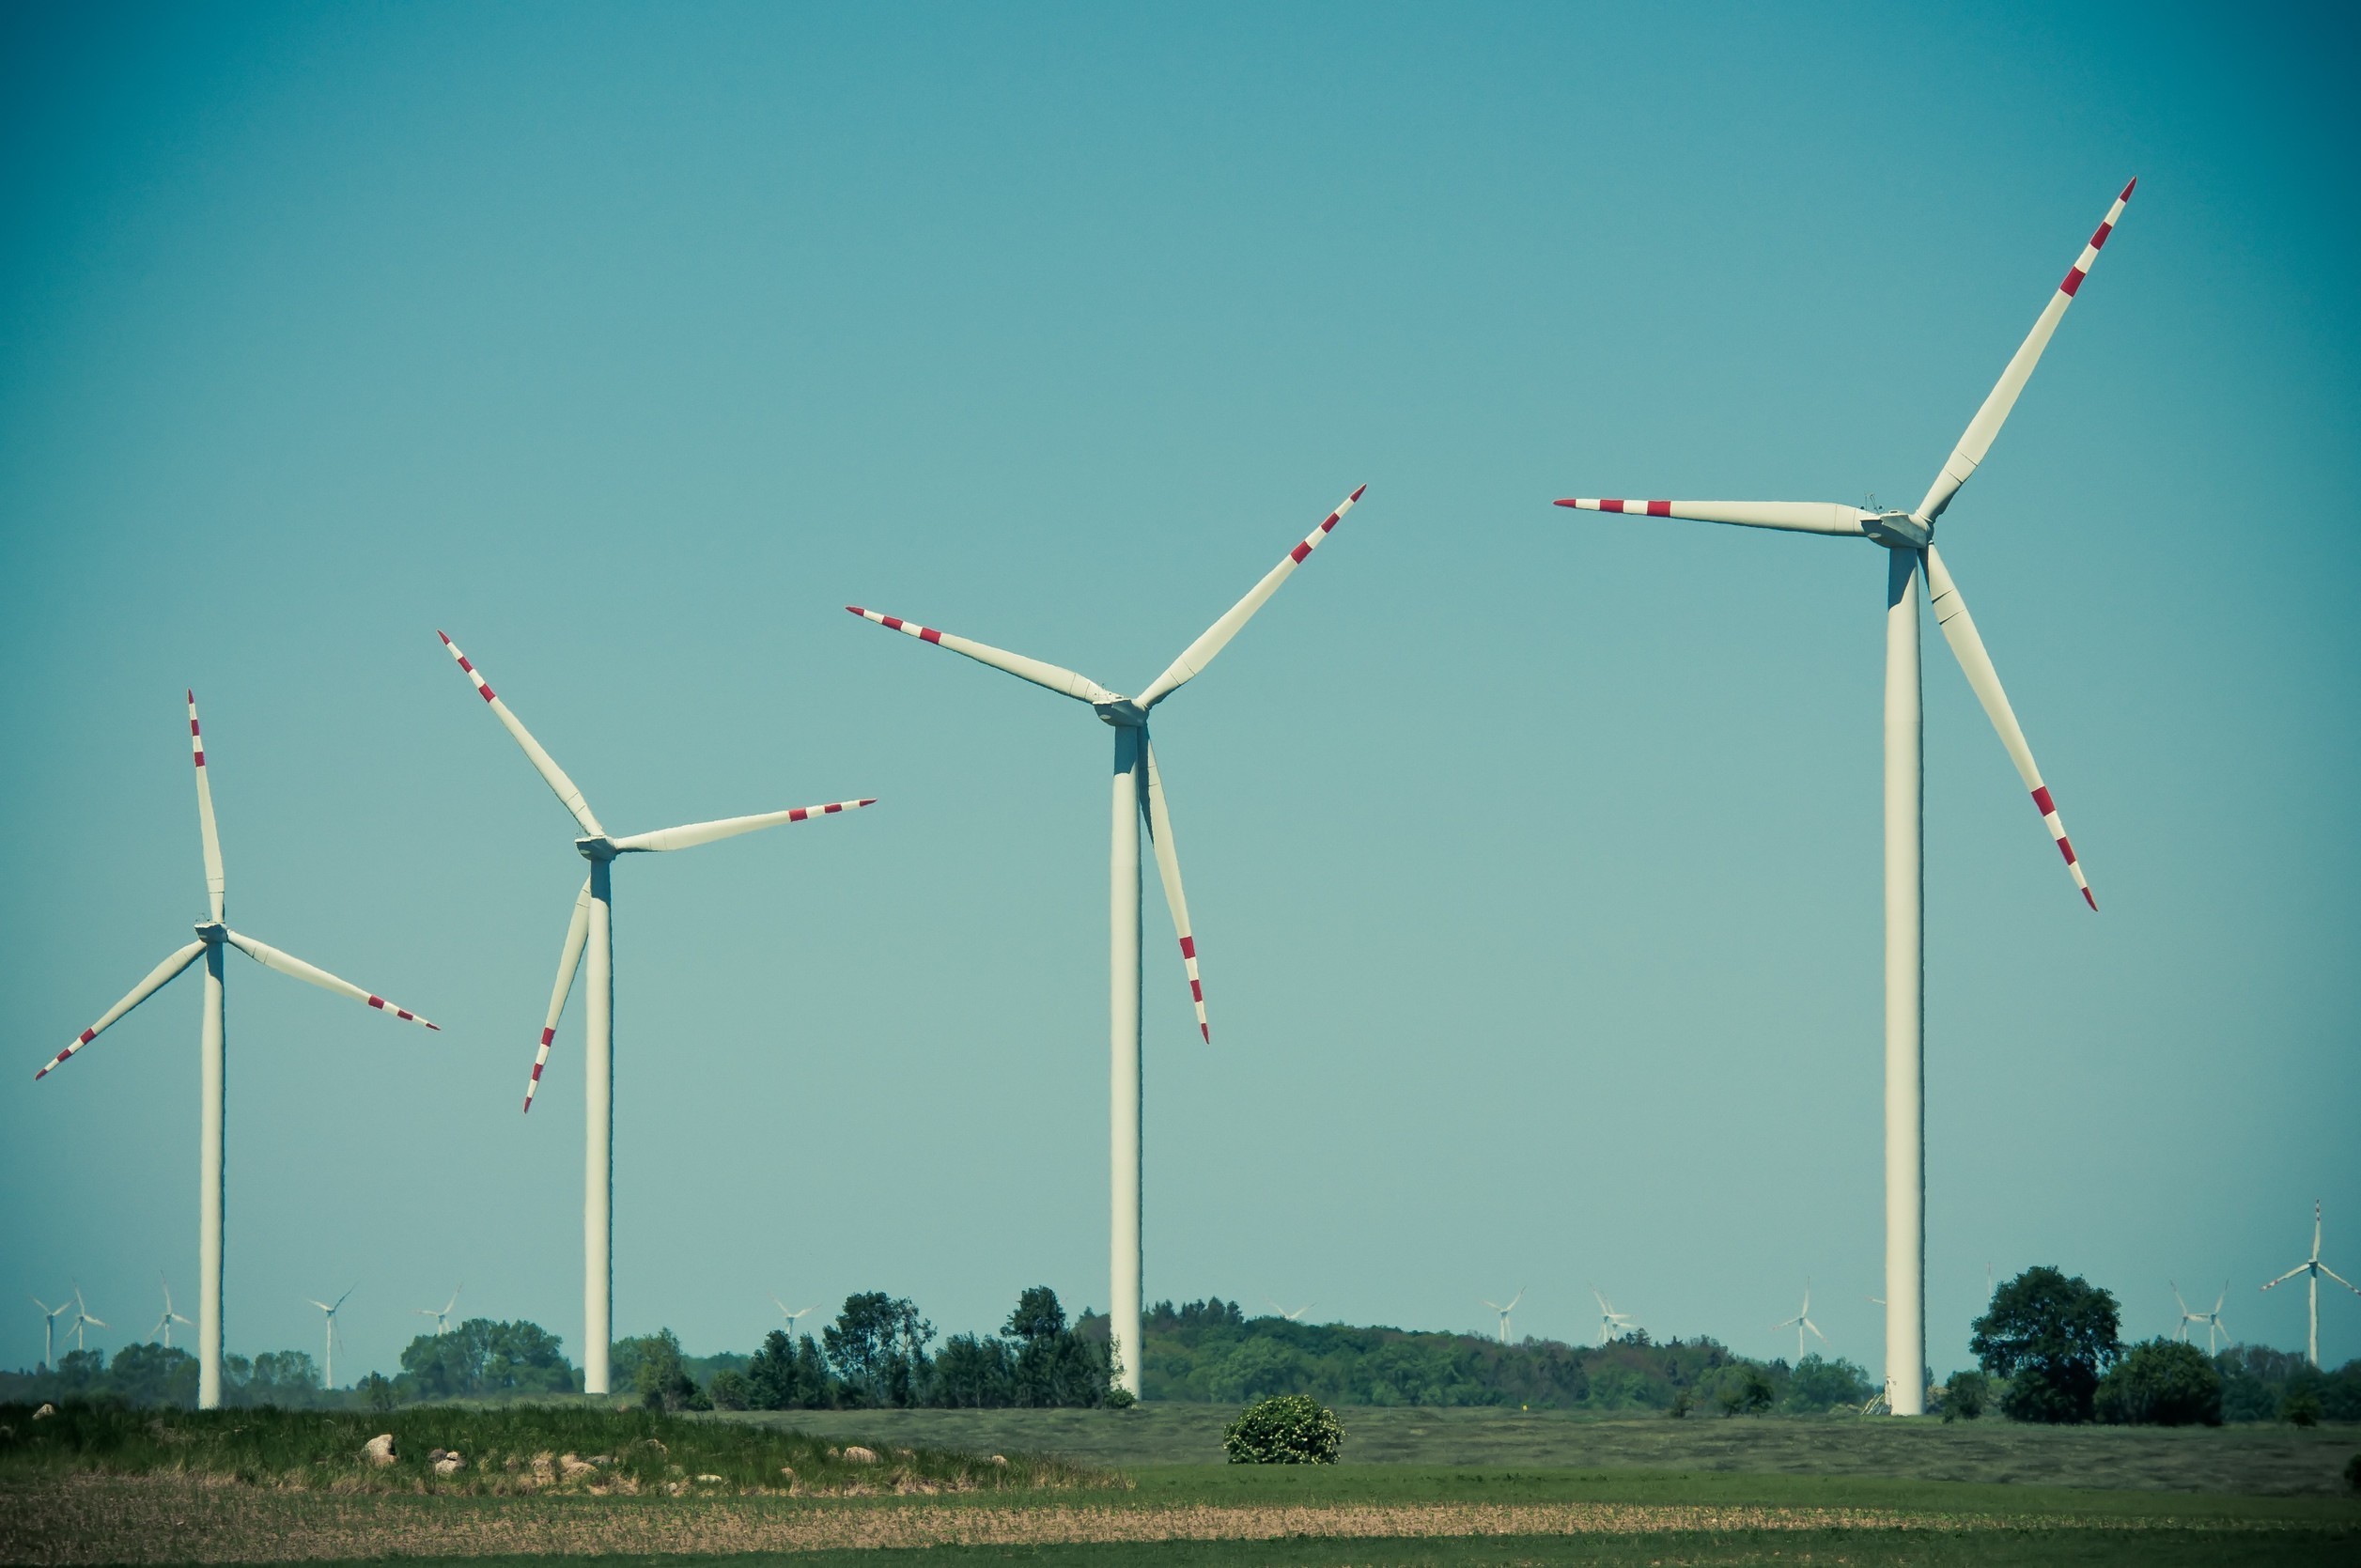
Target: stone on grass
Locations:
point(856, 1455)
point(378, 1450)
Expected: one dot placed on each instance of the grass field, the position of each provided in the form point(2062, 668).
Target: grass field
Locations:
point(1461, 1489)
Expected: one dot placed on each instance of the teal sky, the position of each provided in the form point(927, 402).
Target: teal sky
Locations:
point(1533, 856)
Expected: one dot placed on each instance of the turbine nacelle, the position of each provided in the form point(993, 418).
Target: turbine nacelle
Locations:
point(1898, 530)
point(212, 933)
point(1122, 713)
point(597, 847)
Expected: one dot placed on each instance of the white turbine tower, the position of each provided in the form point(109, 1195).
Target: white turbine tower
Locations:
point(1800, 1322)
point(1504, 1313)
point(1138, 789)
point(213, 936)
point(163, 1324)
point(2314, 1268)
point(442, 1314)
point(592, 929)
point(1909, 539)
point(793, 1318)
point(328, 1365)
point(2212, 1320)
point(83, 1320)
point(49, 1330)
point(1611, 1322)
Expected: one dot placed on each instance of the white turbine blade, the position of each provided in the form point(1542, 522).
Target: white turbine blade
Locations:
point(1815, 1329)
point(695, 834)
point(1168, 868)
point(1194, 658)
point(321, 1305)
point(2298, 1268)
point(340, 1300)
point(1055, 676)
point(1513, 1301)
point(156, 980)
point(285, 962)
point(1967, 646)
point(1986, 424)
point(1795, 517)
point(2176, 1298)
point(214, 884)
point(569, 959)
point(2219, 1299)
point(2339, 1279)
point(552, 774)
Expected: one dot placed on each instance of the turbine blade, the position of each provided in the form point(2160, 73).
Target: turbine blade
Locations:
point(287, 963)
point(155, 982)
point(1167, 869)
point(1815, 1329)
point(214, 884)
point(1985, 427)
point(2298, 1268)
point(695, 834)
point(1055, 676)
point(552, 774)
point(1795, 517)
point(1967, 646)
point(569, 959)
point(1194, 658)
point(2340, 1279)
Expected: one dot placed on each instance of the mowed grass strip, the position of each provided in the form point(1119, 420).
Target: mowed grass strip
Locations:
point(158, 1519)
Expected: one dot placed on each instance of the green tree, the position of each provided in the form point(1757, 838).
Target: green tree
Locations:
point(877, 1345)
point(975, 1372)
point(1818, 1383)
point(1746, 1389)
point(787, 1373)
point(1965, 1395)
point(483, 1357)
point(2051, 1336)
point(149, 1375)
point(2161, 1383)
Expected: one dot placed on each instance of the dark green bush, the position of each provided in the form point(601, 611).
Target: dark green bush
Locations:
point(1285, 1429)
point(2352, 1472)
point(2161, 1383)
point(1965, 1395)
point(2050, 1336)
point(2302, 1407)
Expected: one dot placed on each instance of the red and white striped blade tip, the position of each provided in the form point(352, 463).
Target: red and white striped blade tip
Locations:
point(1356, 493)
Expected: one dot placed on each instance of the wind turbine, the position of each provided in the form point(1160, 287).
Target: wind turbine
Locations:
point(163, 1324)
point(1139, 789)
point(793, 1318)
point(49, 1330)
point(1800, 1322)
point(441, 1315)
point(328, 1367)
point(593, 929)
point(1504, 1313)
point(1296, 1317)
point(83, 1319)
point(1611, 1322)
point(1909, 539)
point(2212, 1320)
point(213, 936)
point(2315, 1268)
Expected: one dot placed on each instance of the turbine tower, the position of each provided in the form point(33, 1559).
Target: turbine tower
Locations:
point(2212, 1320)
point(2315, 1268)
point(328, 1365)
point(49, 1331)
point(1138, 789)
point(163, 1324)
point(1908, 538)
point(1611, 1322)
point(1505, 1310)
point(213, 936)
point(592, 929)
point(442, 1314)
point(1800, 1322)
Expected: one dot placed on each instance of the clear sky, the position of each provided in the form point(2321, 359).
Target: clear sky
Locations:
point(1534, 856)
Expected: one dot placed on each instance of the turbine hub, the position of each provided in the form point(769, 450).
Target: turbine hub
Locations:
point(1897, 531)
point(212, 933)
point(1123, 713)
point(599, 848)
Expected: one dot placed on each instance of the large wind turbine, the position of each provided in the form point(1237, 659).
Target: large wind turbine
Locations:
point(328, 1365)
point(1611, 1322)
point(1908, 538)
point(163, 1324)
point(2212, 1320)
point(1801, 1321)
point(49, 1331)
point(1504, 1313)
point(1139, 789)
point(83, 1320)
point(592, 929)
point(211, 936)
point(2313, 1268)
point(442, 1314)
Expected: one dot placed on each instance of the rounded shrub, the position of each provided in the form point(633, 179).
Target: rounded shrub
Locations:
point(1285, 1429)
point(2162, 1383)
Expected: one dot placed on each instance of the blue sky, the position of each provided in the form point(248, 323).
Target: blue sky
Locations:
point(1533, 856)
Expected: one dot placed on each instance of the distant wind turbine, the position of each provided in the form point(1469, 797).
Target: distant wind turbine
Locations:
point(793, 1318)
point(441, 1315)
point(83, 1319)
point(49, 1330)
point(2212, 1320)
point(1297, 1315)
point(328, 1367)
point(163, 1324)
point(1800, 1322)
point(592, 931)
point(2313, 1267)
point(213, 936)
point(1504, 1313)
point(1611, 1322)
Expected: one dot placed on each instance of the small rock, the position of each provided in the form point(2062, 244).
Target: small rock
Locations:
point(44, 1412)
point(1001, 1460)
point(787, 1470)
point(574, 1467)
point(856, 1455)
point(709, 1480)
point(378, 1450)
point(434, 1456)
point(450, 1463)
